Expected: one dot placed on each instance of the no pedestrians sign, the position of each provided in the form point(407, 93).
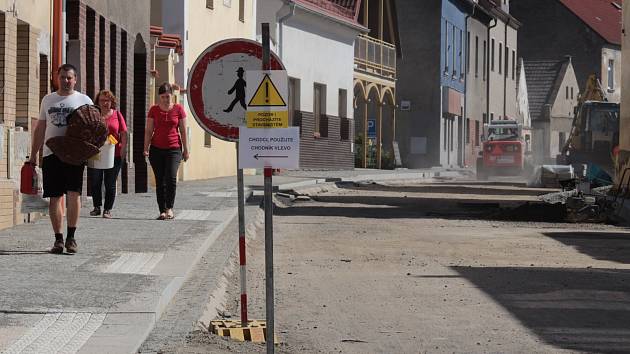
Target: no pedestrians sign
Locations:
point(218, 82)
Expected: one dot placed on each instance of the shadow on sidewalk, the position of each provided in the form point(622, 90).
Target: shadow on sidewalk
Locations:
point(575, 309)
point(607, 246)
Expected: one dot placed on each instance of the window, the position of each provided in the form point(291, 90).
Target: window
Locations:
point(571, 92)
point(513, 65)
point(447, 46)
point(241, 10)
point(491, 116)
point(492, 55)
point(477, 140)
point(210, 4)
point(468, 53)
point(460, 52)
point(294, 102)
point(343, 102)
point(445, 128)
point(454, 53)
point(611, 74)
point(476, 56)
point(207, 140)
point(467, 127)
point(450, 133)
point(561, 141)
point(567, 92)
point(485, 118)
point(507, 61)
point(319, 110)
point(344, 122)
point(500, 57)
point(484, 62)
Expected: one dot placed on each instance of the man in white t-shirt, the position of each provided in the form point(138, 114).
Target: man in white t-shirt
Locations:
point(60, 178)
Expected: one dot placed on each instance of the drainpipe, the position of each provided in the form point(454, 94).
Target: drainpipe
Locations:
point(57, 39)
point(488, 70)
point(281, 20)
point(466, 127)
point(505, 77)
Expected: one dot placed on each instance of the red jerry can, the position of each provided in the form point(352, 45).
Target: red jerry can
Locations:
point(28, 179)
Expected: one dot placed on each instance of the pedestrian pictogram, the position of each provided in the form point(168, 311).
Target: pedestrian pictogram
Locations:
point(267, 95)
point(239, 87)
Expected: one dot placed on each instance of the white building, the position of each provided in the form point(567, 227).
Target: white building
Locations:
point(315, 41)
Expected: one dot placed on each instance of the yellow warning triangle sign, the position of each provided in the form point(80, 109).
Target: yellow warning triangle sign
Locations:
point(267, 95)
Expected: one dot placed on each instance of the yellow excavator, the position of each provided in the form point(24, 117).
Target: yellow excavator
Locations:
point(594, 135)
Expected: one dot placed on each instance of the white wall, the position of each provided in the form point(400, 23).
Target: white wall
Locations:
point(563, 106)
point(497, 83)
point(318, 52)
point(523, 98)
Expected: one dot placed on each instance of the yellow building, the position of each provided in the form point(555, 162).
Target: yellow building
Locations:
point(199, 23)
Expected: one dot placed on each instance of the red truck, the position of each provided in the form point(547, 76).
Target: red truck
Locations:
point(502, 151)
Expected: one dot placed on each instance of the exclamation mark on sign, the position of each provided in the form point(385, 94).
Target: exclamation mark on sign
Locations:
point(266, 92)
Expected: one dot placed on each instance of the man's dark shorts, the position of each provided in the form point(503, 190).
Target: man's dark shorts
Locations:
point(60, 177)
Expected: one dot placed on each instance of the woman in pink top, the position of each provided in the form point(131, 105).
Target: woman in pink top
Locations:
point(118, 129)
point(164, 139)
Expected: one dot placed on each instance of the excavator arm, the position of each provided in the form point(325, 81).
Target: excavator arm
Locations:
point(592, 92)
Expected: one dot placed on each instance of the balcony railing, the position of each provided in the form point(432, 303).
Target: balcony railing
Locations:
point(376, 57)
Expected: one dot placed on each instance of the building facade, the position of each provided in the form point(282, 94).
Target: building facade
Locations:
point(375, 75)
point(624, 117)
point(315, 41)
point(441, 125)
point(198, 24)
point(587, 30)
point(105, 40)
point(523, 115)
point(553, 93)
point(25, 56)
point(108, 42)
point(476, 85)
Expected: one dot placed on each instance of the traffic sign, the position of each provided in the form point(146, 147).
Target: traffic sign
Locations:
point(269, 148)
point(371, 128)
point(217, 83)
point(267, 99)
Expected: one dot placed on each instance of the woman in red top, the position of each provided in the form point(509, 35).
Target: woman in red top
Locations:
point(164, 139)
point(118, 129)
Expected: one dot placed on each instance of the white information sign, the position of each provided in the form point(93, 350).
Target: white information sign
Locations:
point(272, 148)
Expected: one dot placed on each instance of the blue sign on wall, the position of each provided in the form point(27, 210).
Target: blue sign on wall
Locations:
point(371, 128)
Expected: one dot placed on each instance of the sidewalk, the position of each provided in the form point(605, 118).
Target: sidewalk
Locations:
point(107, 297)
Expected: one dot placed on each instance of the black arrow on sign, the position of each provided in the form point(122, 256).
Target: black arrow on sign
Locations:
point(270, 156)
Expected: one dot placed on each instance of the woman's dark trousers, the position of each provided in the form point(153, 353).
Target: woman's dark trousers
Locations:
point(109, 176)
point(165, 163)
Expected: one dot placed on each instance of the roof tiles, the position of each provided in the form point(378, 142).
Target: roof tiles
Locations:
point(603, 16)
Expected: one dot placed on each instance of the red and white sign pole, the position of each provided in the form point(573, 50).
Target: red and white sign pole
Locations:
point(241, 242)
point(217, 110)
